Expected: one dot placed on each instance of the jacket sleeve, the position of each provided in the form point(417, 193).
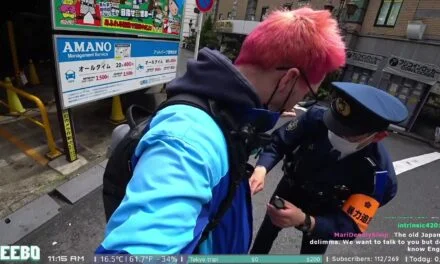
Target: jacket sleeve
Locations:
point(163, 210)
point(391, 185)
point(390, 189)
point(286, 138)
point(327, 227)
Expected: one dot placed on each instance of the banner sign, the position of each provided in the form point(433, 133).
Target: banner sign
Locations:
point(92, 68)
point(224, 26)
point(414, 70)
point(364, 60)
point(154, 18)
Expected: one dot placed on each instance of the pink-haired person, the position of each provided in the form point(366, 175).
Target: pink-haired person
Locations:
point(183, 173)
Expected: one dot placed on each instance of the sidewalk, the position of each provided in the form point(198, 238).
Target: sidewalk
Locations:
point(77, 229)
point(29, 191)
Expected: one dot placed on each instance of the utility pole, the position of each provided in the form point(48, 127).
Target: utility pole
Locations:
point(251, 10)
point(199, 31)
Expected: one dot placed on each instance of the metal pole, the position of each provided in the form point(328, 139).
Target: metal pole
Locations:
point(13, 48)
point(216, 6)
point(234, 10)
point(53, 151)
point(65, 117)
point(182, 26)
point(199, 30)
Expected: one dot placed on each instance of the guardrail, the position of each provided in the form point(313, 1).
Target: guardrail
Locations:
point(44, 123)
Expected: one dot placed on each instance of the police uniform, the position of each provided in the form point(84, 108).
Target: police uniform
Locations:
point(341, 193)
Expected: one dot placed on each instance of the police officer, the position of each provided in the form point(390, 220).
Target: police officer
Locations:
point(336, 172)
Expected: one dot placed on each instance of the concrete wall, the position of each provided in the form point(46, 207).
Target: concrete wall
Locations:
point(429, 12)
point(426, 10)
point(408, 49)
point(226, 6)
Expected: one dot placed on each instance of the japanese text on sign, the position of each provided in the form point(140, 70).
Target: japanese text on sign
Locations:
point(69, 135)
point(140, 17)
point(94, 68)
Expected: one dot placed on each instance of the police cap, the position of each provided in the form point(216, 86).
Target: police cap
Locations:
point(358, 109)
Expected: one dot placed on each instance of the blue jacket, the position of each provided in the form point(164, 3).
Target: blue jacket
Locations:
point(182, 173)
point(318, 167)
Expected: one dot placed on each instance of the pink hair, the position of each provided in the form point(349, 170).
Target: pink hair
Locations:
point(304, 38)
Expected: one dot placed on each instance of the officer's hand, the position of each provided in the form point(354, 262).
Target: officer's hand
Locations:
point(291, 216)
point(289, 113)
point(257, 179)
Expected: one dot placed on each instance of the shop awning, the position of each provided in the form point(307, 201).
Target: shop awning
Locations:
point(242, 27)
point(418, 71)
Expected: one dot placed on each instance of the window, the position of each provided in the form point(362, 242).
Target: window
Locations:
point(359, 13)
point(229, 15)
point(220, 17)
point(264, 13)
point(388, 13)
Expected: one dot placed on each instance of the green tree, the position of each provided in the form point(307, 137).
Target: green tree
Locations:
point(208, 25)
point(208, 37)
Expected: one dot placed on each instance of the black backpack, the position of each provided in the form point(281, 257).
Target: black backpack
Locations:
point(240, 142)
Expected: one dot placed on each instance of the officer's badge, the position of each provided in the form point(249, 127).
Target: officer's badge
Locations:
point(342, 107)
point(292, 125)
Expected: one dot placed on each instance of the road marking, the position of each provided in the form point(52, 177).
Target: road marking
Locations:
point(404, 165)
point(20, 156)
point(28, 150)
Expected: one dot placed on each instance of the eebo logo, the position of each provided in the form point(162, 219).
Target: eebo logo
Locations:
point(19, 253)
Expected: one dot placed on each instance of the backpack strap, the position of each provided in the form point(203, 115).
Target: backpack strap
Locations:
point(131, 114)
point(186, 99)
point(238, 167)
point(237, 151)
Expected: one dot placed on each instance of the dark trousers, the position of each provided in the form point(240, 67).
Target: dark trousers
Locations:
point(268, 232)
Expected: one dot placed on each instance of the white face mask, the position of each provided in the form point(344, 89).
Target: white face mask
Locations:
point(344, 146)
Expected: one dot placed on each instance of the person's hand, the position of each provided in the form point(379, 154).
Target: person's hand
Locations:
point(289, 114)
point(256, 181)
point(290, 216)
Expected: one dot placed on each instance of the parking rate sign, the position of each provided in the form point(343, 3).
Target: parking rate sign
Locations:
point(94, 68)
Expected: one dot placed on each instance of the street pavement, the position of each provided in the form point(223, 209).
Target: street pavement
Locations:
point(184, 56)
point(78, 229)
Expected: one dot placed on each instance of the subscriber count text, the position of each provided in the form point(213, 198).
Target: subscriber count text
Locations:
point(220, 259)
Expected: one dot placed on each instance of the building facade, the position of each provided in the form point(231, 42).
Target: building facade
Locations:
point(391, 44)
point(189, 16)
point(395, 46)
point(236, 9)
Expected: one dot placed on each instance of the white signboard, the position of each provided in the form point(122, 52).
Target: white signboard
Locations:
point(93, 68)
